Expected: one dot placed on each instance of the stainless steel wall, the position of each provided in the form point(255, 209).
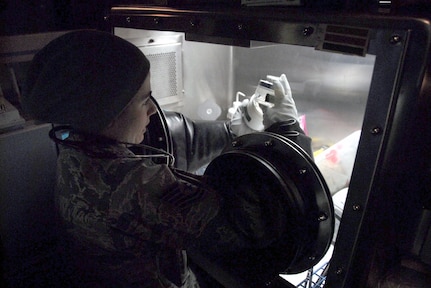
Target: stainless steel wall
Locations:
point(208, 80)
point(330, 89)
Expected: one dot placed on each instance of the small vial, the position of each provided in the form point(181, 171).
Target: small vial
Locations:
point(264, 93)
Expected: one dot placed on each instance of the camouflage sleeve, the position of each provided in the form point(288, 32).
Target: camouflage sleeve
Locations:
point(133, 203)
point(242, 223)
point(156, 205)
point(194, 209)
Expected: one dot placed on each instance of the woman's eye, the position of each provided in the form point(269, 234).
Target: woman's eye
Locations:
point(147, 98)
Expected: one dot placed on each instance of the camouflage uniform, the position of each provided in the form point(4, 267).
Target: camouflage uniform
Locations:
point(130, 218)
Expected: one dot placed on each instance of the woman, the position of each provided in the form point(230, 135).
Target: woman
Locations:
point(129, 219)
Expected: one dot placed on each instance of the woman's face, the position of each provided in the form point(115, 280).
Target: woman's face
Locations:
point(130, 125)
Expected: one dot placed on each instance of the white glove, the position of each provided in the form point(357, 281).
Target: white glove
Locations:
point(284, 106)
point(237, 122)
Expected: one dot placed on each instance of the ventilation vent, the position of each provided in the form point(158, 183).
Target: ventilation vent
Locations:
point(166, 73)
point(343, 39)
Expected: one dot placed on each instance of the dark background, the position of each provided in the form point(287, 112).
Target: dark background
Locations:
point(27, 16)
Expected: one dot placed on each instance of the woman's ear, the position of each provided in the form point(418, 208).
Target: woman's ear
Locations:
point(110, 130)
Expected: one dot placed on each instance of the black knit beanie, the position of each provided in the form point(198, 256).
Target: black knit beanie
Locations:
point(84, 78)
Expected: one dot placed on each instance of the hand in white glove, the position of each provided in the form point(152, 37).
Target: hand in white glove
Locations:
point(284, 106)
point(237, 123)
